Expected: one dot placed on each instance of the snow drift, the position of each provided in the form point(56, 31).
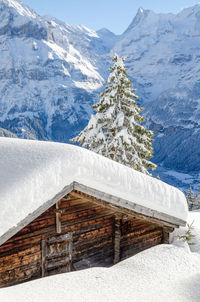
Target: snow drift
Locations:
point(162, 273)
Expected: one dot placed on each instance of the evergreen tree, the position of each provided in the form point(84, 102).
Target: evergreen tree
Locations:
point(115, 131)
point(192, 200)
point(198, 197)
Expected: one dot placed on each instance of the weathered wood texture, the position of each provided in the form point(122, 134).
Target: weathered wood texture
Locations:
point(57, 254)
point(117, 239)
point(137, 235)
point(97, 239)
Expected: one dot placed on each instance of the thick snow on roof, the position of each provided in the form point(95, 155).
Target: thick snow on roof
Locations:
point(33, 172)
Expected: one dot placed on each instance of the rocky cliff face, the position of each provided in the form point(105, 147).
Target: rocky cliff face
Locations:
point(48, 73)
point(6, 133)
point(51, 73)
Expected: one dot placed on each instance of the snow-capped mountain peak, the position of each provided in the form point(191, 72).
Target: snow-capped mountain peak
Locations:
point(188, 11)
point(141, 16)
point(19, 7)
point(49, 70)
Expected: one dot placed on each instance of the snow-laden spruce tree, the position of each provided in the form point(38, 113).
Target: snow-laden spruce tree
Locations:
point(115, 131)
point(193, 200)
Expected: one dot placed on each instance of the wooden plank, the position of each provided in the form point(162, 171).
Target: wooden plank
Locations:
point(19, 259)
point(132, 240)
point(84, 221)
point(43, 258)
point(24, 241)
point(117, 239)
point(20, 274)
point(56, 264)
point(165, 236)
point(57, 239)
point(58, 218)
point(70, 252)
point(17, 262)
point(75, 208)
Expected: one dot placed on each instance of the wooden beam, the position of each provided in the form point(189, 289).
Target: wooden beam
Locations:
point(58, 218)
point(43, 258)
point(70, 251)
point(117, 239)
point(165, 236)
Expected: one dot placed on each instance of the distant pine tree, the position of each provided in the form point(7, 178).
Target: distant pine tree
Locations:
point(198, 197)
point(193, 200)
point(115, 131)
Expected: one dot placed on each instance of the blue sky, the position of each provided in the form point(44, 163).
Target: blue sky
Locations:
point(115, 15)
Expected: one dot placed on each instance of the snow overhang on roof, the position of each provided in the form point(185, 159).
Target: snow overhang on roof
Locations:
point(35, 174)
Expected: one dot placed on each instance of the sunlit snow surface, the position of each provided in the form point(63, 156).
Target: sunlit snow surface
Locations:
point(33, 172)
point(162, 273)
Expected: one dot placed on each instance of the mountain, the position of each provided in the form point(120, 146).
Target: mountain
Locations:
point(6, 133)
point(51, 73)
point(48, 73)
point(163, 57)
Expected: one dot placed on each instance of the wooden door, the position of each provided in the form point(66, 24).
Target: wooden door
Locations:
point(57, 254)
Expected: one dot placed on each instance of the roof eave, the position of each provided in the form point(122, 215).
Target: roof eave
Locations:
point(157, 217)
point(166, 219)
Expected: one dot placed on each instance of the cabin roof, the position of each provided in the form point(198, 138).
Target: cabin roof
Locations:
point(34, 175)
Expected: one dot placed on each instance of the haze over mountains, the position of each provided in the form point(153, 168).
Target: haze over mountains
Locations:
point(51, 74)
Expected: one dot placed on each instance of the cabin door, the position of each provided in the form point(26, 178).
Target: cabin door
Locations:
point(57, 254)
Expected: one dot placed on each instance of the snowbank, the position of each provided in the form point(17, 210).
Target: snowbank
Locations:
point(33, 172)
point(163, 273)
point(194, 221)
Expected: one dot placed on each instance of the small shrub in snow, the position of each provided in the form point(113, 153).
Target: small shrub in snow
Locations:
point(188, 236)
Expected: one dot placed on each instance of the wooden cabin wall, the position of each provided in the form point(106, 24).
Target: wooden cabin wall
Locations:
point(93, 229)
point(137, 235)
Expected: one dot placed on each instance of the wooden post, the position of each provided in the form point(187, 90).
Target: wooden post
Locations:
point(165, 236)
point(58, 219)
point(117, 239)
point(70, 252)
point(44, 253)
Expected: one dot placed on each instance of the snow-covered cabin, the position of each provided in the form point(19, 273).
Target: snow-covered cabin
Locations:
point(65, 208)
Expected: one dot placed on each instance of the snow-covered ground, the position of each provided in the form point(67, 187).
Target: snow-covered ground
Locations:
point(163, 273)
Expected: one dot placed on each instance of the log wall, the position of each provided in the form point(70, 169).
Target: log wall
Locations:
point(97, 239)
